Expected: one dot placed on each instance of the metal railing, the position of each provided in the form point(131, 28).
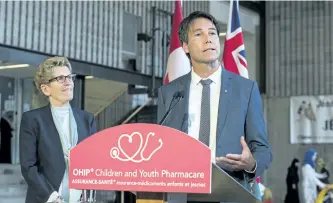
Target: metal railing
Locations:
point(115, 109)
point(136, 111)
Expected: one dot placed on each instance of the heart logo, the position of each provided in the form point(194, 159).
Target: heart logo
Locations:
point(131, 143)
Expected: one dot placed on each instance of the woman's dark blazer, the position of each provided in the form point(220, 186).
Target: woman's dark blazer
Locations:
point(41, 156)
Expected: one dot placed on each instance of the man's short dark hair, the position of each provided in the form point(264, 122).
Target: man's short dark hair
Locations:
point(184, 26)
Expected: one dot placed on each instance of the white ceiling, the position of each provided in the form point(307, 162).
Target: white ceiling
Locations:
point(26, 72)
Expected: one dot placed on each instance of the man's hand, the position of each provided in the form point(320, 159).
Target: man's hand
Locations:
point(244, 161)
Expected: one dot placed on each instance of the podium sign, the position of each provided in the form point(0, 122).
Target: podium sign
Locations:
point(143, 158)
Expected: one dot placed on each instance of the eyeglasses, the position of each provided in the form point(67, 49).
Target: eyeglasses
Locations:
point(62, 78)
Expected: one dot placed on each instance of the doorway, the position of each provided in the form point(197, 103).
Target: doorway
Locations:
point(16, 96)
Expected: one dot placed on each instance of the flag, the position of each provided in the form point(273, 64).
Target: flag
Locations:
point(178, 63)
point(234, 49)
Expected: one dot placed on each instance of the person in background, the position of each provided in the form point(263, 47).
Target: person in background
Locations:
point(47, 134)
point(310, 178)
point(321, 168)
point(292, 183)
point(6, 136)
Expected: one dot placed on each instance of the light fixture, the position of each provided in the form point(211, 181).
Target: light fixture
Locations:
point(15, 66)
point(222, 34)
point(89, 77)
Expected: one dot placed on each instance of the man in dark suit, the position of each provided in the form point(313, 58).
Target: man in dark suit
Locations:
point(221, 109)
point(47, 134)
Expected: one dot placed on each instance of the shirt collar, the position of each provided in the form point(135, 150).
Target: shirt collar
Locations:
point(215, 77)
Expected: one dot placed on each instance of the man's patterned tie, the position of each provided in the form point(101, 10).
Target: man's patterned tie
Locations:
point(204, 132)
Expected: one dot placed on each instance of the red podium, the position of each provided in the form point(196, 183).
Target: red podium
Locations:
point(149, 159)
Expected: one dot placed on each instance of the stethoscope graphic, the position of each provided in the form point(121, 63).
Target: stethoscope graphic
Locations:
point(114, 152)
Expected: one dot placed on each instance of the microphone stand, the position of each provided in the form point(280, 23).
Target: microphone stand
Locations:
point(177, 96)
point(91, 198)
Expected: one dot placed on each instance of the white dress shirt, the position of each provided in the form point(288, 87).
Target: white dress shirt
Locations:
point(195, 106)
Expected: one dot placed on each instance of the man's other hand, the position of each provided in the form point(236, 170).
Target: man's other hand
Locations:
point(244, 161)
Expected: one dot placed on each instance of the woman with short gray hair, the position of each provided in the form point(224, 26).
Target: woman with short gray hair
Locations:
point(47, 134)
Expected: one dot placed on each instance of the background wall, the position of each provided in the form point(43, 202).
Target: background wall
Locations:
point(278, 128)
point(299, 48)
point(299, 62)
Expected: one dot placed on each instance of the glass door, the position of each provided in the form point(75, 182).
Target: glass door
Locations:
point(28, 97)
point(7, 119)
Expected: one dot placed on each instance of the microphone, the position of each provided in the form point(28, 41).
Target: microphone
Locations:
point(184, 126)
point(177, 96)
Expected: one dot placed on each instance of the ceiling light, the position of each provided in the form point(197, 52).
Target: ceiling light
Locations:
point(222, 34)
point(89, 77)
point(15, 66)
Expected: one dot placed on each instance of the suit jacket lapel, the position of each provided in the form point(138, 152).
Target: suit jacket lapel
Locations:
point(80, 124)
point(53, 132)
point(225, 96)
point(184, 85)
